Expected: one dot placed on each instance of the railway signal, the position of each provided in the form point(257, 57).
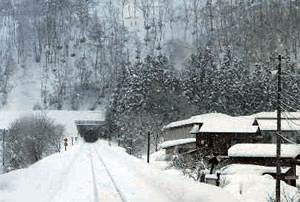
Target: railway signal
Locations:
point(66, 143)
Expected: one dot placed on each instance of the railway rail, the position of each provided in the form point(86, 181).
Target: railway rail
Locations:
point(95, 156)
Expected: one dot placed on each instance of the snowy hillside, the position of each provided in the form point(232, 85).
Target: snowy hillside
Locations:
point(99, 172)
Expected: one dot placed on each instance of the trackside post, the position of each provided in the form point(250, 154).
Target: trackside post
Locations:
point(148, 148)
point(66, 143)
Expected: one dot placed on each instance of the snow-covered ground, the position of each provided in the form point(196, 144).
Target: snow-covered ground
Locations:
point(247, 183)
point(105, 172)
point(244, 182)
point(99, 172)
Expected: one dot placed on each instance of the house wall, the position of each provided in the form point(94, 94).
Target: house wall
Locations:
point(221, 142)
point(178, 133)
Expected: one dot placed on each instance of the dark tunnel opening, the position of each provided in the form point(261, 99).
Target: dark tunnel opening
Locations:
point(91, 132)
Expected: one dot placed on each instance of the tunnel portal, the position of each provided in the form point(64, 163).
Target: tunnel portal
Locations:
point(91, 131)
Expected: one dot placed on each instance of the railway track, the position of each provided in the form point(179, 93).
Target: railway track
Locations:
point(65, 174)
point(96, 159)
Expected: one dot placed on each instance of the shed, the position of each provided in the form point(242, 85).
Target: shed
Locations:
point(178, 146)
point(265, 155)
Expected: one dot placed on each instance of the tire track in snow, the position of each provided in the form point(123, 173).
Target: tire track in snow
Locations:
point(121, 195)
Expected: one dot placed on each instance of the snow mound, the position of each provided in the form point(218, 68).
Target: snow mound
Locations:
point(247, 183)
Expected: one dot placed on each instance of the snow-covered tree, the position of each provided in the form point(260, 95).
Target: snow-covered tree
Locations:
point(30, 139)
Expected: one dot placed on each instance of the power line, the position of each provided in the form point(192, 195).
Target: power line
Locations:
point(291, 96)
point(288, 106)
point(290, 113)
point(289, 120)
point(297, 124)
point(291, 99)
point(285, 138)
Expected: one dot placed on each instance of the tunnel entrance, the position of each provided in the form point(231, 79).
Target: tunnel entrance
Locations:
point(91, 131)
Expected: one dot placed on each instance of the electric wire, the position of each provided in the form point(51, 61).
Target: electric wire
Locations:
point(291, 116)
point(290, 96)
point(285, 138)
point(295, 102)
point(289, 106)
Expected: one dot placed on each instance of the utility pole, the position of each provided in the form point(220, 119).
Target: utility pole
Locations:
point(278, 138)
point(148, 148)
point(278, 133)
point(3, 151)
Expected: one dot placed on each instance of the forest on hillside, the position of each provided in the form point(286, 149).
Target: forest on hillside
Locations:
point(153, 61)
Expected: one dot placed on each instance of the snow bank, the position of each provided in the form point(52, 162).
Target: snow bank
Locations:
point(263, 150)
point(68, 177)
point(247, 183)
point(158, 156)
point(172, 143)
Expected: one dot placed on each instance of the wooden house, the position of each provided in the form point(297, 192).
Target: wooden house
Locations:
point(180, 129)
point(187, 128)
point(218, 134)
point(265, 155)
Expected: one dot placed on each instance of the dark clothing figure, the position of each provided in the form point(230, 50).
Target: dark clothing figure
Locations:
point(213, 161)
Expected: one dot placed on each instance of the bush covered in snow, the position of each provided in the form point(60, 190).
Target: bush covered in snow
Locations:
point(29, 139)
point(194, 168)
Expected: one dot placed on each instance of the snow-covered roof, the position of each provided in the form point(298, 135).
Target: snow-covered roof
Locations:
point(199, 119)
point(263, 150)
point(173, 143)
point(271, 124)
point(217, 122)
point(229, 125)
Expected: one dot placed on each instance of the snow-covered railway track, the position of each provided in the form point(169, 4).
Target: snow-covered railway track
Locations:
point(65, 173)
point(99, 166)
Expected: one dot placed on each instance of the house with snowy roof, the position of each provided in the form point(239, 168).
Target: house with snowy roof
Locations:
point(290, 125)
point(214, 132)
point(265, 155)
point(218, 134)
